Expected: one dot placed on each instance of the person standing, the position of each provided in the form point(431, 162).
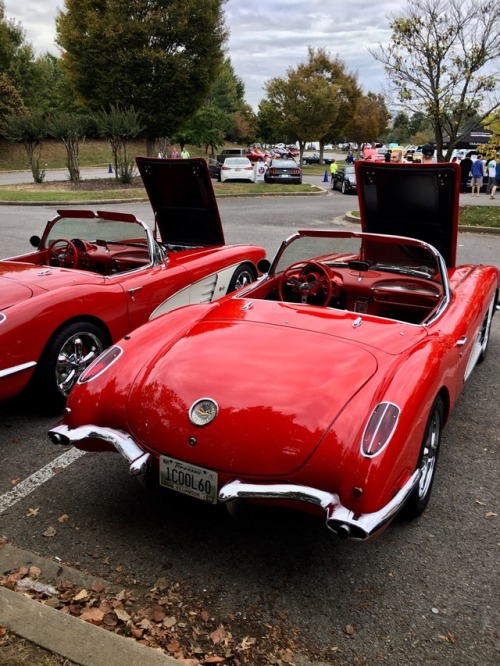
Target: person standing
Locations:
point(184, 153)
point(174, 154)
point(427, 154)
point(496, 184)
point(465, 167)
point(491, 167)
point(333, 170)
point(477, 171)
point(396, 155)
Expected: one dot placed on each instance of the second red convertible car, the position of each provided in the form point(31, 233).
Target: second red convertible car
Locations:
point(95, 276)
point(325, 384)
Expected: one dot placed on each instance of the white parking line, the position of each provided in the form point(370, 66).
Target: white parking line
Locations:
point(38, 478)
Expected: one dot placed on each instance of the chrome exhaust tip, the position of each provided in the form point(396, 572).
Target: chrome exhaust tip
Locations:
point(343, 531)
point(58, 438)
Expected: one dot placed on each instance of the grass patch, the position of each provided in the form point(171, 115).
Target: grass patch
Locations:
point(480, 216)
point(93, 189)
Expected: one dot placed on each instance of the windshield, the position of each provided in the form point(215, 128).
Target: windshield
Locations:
point(367, 251)
point(97, 229)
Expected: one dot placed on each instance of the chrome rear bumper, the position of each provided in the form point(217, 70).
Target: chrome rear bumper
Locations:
point(339, 519)
point(120, 440)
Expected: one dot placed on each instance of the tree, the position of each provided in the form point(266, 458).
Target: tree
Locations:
point(312, 103)
point(120, 127)
point(215, 119)
point(159, 57)
point(70, 128)
point(10, 99)
point(29, 129)
point(440, 62)
point(369, 120)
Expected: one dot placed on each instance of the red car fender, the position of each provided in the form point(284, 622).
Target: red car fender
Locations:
point(24, 342)
point(83, 405)
point(366, 484)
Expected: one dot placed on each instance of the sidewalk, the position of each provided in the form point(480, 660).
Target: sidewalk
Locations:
point(61, 633)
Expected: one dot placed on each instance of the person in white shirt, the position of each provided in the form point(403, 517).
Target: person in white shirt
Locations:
point(491, 166)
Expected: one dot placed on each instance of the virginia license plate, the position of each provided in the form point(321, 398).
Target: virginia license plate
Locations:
point(188, 479)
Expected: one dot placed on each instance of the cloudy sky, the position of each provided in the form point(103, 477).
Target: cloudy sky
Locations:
point(267, 36)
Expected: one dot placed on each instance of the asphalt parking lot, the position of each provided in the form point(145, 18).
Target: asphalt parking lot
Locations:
point(423, 593)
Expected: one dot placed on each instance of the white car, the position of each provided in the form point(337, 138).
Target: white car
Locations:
point(237, 168)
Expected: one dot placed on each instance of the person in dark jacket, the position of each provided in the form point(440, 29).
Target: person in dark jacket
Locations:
point(465, 167)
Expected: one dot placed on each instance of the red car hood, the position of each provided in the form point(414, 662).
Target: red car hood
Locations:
point(278, 385)
point(20, 281)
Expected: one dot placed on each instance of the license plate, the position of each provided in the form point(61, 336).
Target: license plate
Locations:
point(188, 479)
point(285, 175)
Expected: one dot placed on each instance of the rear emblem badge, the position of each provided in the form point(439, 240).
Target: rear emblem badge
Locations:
point(203, 411)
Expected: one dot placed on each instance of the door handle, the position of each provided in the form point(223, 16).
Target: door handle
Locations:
point(132, 292)
point(462, 341)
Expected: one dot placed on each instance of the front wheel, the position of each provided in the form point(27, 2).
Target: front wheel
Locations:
point(419, 498)
point(65, 357)
point(242, 276)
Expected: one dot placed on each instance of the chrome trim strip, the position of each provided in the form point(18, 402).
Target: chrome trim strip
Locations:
point(121, 441)
point(339, 519)
point(16, 368)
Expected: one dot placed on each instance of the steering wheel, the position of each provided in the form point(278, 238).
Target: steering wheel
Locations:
point(307, 280)
point(66, 255)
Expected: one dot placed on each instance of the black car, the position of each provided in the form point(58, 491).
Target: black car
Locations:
point(345, 180)
point(314, 159)
point(283, 171)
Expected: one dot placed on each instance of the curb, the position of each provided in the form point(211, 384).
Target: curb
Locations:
point(60, 633)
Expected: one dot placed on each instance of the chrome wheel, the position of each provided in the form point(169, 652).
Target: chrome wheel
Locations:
point(429, 454)
point(75, 355)
point(70, 350)
point(429, 451)
point(484, 333)
point(243, 276)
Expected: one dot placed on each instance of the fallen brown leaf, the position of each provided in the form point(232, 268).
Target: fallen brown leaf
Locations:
point(33, 512)
point(218, 635)
point(83, 594)
point(49, 532)
point(93, 616)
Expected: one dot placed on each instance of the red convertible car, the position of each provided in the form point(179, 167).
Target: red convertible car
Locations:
point(325, 384)
point(95, 276)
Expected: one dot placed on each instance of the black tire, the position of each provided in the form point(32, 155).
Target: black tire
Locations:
point(67, 354)
point(242, 276)
point(427, 462)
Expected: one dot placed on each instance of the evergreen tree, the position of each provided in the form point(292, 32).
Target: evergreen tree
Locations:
point(159, 57)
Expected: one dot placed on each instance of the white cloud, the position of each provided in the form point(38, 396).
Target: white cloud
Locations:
point(266, 37)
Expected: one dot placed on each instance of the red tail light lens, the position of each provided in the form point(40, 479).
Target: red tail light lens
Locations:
point(101, 363)
point(379, 429)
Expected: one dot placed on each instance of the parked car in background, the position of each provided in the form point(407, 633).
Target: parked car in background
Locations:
point(255, 154)
point(323, 386)
point(345, 180)
point(95, 276)
point(281, 170)
point(237, 168)
point(314, 159)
